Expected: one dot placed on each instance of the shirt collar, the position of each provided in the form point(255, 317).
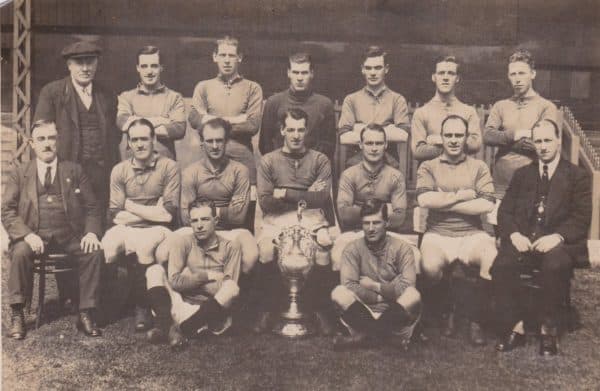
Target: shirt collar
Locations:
point(461, 160)
point(141, 89)
point(376, 247)
point(450, 101)
point(79, 89)
point(531, 94)
point(371, 174)
point(213, 245)
point(379, 94)
point(236, 78)
point(551, 166)
point(219, 168)
point(148, 167)
point(41, 165)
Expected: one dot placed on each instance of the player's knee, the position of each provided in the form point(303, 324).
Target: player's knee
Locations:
point(431, 267)
point(266, 251)
point(322, 257)
point(230, 289)
point(155, 275)
point(162, 252)
point(250, 251)
point(410, 298)
point(342, 296)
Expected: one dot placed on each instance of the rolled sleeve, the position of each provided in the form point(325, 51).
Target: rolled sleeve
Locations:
point(484, 184)
point(172, 189)
point(425, 179)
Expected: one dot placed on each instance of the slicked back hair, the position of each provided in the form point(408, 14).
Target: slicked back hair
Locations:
point(300, 58)
point(149, 50)
point(143, 122)
point(216, 123)
point(375, 51)
point(373, 206)
point(202, 203)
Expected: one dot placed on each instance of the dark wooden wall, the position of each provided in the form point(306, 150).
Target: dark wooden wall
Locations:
point(564, 37)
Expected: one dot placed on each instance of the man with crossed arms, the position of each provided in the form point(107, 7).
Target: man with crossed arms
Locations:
point(144, 201)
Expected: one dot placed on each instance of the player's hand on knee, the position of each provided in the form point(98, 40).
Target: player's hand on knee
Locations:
point(521, 243)
point(323, 238)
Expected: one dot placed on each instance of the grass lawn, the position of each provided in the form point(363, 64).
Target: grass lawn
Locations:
point(56, 357)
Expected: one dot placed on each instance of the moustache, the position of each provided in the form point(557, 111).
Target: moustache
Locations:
point(47, 149)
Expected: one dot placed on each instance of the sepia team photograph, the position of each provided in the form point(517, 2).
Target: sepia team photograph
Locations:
point(300, 195)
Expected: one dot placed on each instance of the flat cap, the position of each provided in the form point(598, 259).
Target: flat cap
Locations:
point(81, 49)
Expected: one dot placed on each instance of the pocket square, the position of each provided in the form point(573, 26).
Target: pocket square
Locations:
point(77, 191)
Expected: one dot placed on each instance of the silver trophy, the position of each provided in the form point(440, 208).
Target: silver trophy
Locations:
point(296, 256)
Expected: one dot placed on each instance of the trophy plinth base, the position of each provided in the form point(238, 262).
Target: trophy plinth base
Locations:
point(298, 328)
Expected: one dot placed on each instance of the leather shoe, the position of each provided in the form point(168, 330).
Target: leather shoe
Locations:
point(17, 329)
point(143, 319)
point(342, 342)
point(476, 334)
point(450, 327)
point(326, 324)
point(513, 340)
point(176, 339)
point(87, 325)
point(548, 345)
point(262, 323)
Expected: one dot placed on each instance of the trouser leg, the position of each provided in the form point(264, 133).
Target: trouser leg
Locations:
point(556, 269)
point(506, 288)
point(88, 266)
point(20, 273)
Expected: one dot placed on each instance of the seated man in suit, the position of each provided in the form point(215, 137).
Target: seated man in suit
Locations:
point(286, 176)
point(457, 189)
point(144, 201)
point(377, 293)
point(217, 178)
point(49, 206)
point(372, 178)
point(374, 103)
point(543, 222)
point(201, 283)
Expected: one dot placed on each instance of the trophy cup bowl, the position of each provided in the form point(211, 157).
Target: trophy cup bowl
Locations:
point(296, 256)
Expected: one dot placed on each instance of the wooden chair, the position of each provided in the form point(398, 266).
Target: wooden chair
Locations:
point(56, 263)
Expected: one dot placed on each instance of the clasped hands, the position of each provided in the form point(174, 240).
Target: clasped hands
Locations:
point(370, 284)
point(541, 245)
point(318, 185)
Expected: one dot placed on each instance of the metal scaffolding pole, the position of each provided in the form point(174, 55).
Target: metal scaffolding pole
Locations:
point(21, 103)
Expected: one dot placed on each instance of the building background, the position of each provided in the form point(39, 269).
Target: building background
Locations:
point(563, 35)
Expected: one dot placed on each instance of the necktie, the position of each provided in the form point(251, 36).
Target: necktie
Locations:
point(48, 178)
point(545, 180)
point(86, 97)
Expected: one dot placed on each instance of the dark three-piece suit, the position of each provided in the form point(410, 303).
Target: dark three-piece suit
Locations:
point(566, 211)
point(61, 213)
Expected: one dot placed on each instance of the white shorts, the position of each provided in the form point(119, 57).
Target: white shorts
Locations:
point(476, 249)
point(122, 239)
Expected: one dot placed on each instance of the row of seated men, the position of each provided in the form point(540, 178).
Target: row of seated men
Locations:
point(545, 221)
point(190, 276)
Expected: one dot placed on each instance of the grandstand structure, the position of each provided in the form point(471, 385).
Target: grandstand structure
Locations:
point(562, 35)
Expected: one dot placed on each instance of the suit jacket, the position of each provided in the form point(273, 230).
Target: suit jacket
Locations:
point(20, 213)
point(58, 102)
point(568, 207)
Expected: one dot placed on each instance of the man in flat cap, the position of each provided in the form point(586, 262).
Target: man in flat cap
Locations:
point(84, 116)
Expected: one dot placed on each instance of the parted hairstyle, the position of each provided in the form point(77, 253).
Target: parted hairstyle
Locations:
point(375, 51)
point(149, 49)
point(373, 206)
point(451, 59)
point(294, 113)
point(522, 55)
point(550, 121)
point(216, 123)
point(374, 127)
point(300, 58)
point(201, 203)
point(143, 122)
point(40, 123)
